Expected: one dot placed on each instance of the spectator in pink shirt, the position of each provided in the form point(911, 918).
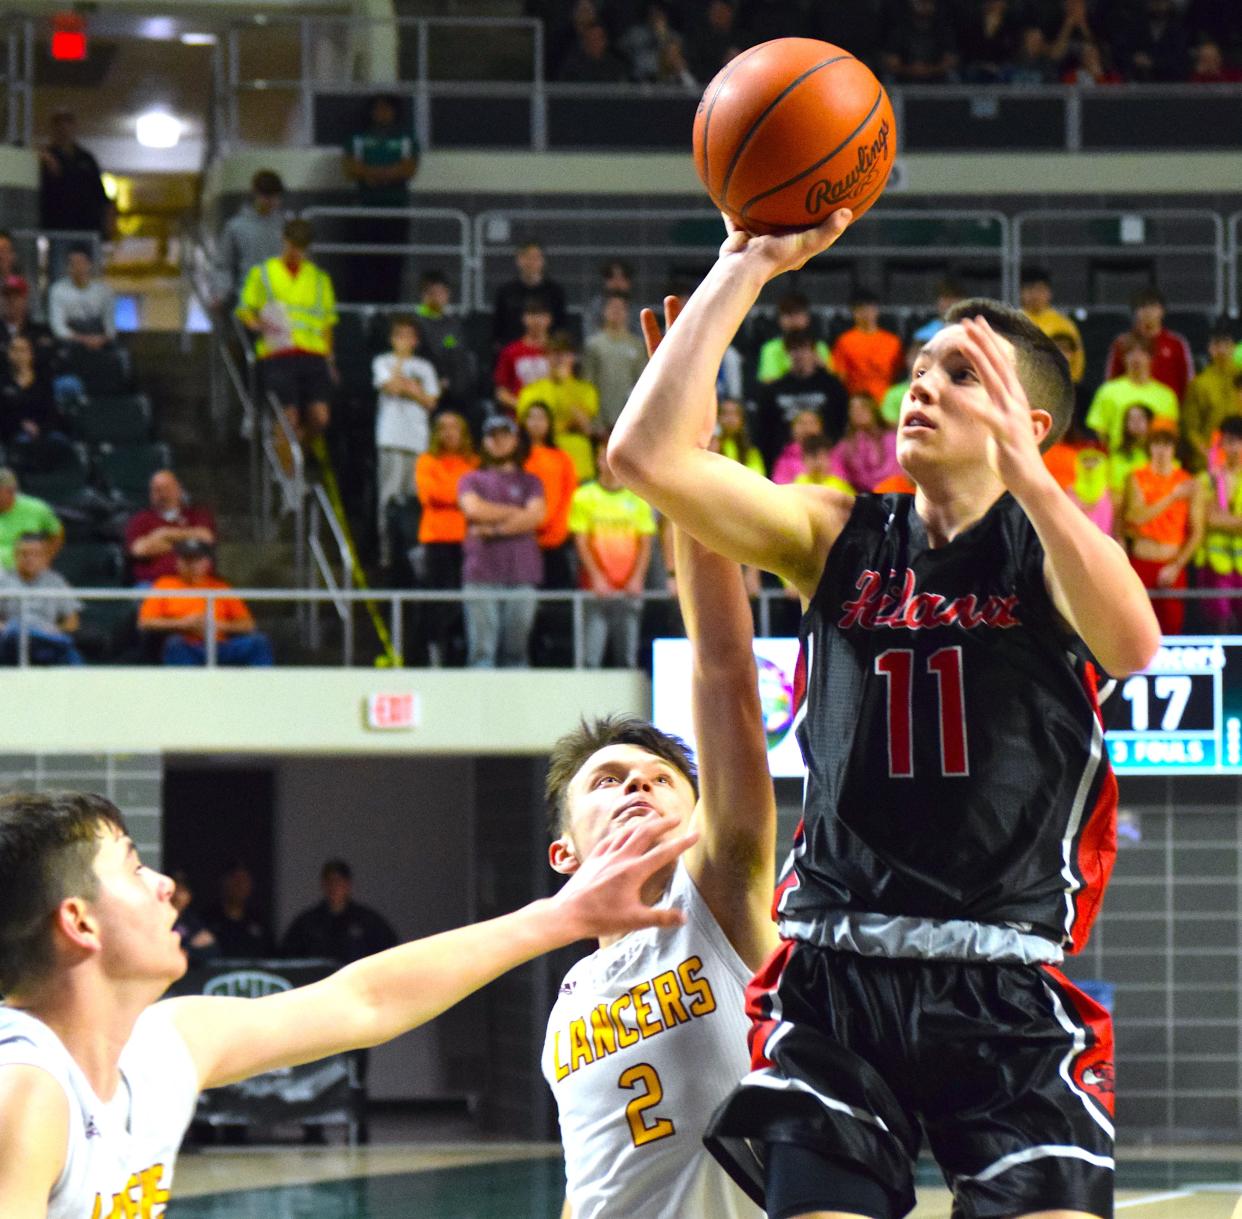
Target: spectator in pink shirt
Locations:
point(868, 454)
point(791, 461)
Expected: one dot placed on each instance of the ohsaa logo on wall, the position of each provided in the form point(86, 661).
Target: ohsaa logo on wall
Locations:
point(247, 984)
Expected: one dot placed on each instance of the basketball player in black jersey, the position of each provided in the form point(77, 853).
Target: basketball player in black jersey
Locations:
point(958, 826)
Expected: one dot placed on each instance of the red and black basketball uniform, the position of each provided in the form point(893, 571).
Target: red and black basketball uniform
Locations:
point(959, 801)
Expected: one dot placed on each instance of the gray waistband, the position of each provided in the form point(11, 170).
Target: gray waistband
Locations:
point(898, 935)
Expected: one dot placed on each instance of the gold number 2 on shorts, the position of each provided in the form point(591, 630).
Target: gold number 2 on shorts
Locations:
point(644, 1129)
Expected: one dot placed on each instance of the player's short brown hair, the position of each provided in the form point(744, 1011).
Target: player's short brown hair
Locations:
point(48, 845)
point(571, 752)
point(1042, 366)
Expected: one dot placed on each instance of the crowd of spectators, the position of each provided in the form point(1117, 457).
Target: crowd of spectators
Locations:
point(1020, 42)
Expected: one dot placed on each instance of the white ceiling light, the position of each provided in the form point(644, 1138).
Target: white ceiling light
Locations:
point(158, 129)
point(198, 39)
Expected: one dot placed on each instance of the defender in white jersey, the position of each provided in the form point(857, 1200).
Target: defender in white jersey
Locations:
point(648, 1034)
point(98, 1081)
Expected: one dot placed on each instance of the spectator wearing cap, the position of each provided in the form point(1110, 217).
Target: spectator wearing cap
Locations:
point(21, 514)
point(509, 309)
point(1136, 386)
point(81, 307)
point(251, 236)
point(867, 357)
point(182, 621)
point(1035, 296)
point(1171, 361)
point(504, 506)
point(49, 621)
point(169, 518)
point(1212, 395)
point(337, 928)
point(1163, 518)
point(289, 303)
point(574, 404)
point(381, 159)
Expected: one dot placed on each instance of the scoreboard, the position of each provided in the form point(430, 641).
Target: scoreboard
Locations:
point(1181, 715)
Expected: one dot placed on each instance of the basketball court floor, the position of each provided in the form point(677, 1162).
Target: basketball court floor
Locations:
point(523, 1181)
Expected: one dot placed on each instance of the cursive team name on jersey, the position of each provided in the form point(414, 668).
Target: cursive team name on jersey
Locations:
point(874, 609)
point(673, 997)
point(143, 1193)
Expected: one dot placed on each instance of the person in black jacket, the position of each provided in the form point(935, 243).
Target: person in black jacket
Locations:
point(511, 296)
point(338, 927)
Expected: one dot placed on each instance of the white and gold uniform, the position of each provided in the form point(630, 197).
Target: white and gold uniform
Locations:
point(120, 1152)
point(646, 1038)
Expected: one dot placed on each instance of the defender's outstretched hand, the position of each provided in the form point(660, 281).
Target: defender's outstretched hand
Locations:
point(1008, 415)
point(781, 252)
point(652, 336)
point(604, 896)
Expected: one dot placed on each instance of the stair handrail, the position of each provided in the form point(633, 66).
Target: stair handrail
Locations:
point(291, 482)
point(321, 566)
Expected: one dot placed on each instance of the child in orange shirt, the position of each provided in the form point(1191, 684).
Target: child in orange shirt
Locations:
point(867, 358)
point(1164, 517)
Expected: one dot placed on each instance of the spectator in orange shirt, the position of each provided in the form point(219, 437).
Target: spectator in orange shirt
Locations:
point(183, 620)
point(866, 357)
point(442, 529)
point(553, 636)
point(1164, 519)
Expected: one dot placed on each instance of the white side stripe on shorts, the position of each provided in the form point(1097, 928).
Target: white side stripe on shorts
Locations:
point(1079, 1043)
point(768, 1078)
point(1027, 1154)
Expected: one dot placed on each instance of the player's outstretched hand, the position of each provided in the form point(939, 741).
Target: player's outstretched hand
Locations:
point(781, 252)
point(1006, 412)
point(604, 896)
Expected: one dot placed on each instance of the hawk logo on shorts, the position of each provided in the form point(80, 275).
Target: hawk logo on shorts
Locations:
point(1094, 1075)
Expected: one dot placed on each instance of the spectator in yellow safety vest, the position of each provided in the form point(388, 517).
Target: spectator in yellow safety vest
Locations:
point(289, 303)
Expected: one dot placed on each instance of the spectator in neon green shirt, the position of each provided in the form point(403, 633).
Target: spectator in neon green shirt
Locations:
point(890, 404)
point(1135, 387)
point(20, 514)
point(793, 316)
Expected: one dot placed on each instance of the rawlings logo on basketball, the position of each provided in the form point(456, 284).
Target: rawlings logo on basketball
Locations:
point(874, 609)
point(872, 158)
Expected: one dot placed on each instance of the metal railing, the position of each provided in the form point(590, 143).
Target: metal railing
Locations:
point(17, 81)
point(288, 478)
point(343, 599)
point(462, 249)
point(349, 54)
point(1197, 238)
point(321, 567)
point(1235, 263)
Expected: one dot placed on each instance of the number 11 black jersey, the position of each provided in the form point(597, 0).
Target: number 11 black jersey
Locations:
point(959, 800)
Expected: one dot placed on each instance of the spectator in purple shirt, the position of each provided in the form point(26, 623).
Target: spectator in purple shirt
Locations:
point(504, 507)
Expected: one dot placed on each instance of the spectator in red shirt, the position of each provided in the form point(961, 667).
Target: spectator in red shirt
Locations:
point(1209, 67)
point(525, 359)
point(1171, 361)
point(151, 535)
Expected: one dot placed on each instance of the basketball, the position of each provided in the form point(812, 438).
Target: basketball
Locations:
point(791, 130)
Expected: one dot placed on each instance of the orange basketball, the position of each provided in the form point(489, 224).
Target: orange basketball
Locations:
point(791, 130)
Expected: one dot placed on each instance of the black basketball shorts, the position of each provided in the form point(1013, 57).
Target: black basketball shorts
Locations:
point(1007, 1069)
point(297, 379)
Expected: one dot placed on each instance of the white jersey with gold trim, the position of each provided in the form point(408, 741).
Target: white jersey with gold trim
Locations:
point(646, 1038)
point(121, 1152)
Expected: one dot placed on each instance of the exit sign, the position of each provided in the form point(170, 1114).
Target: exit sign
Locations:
point(68, 37)
point(392, 712)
